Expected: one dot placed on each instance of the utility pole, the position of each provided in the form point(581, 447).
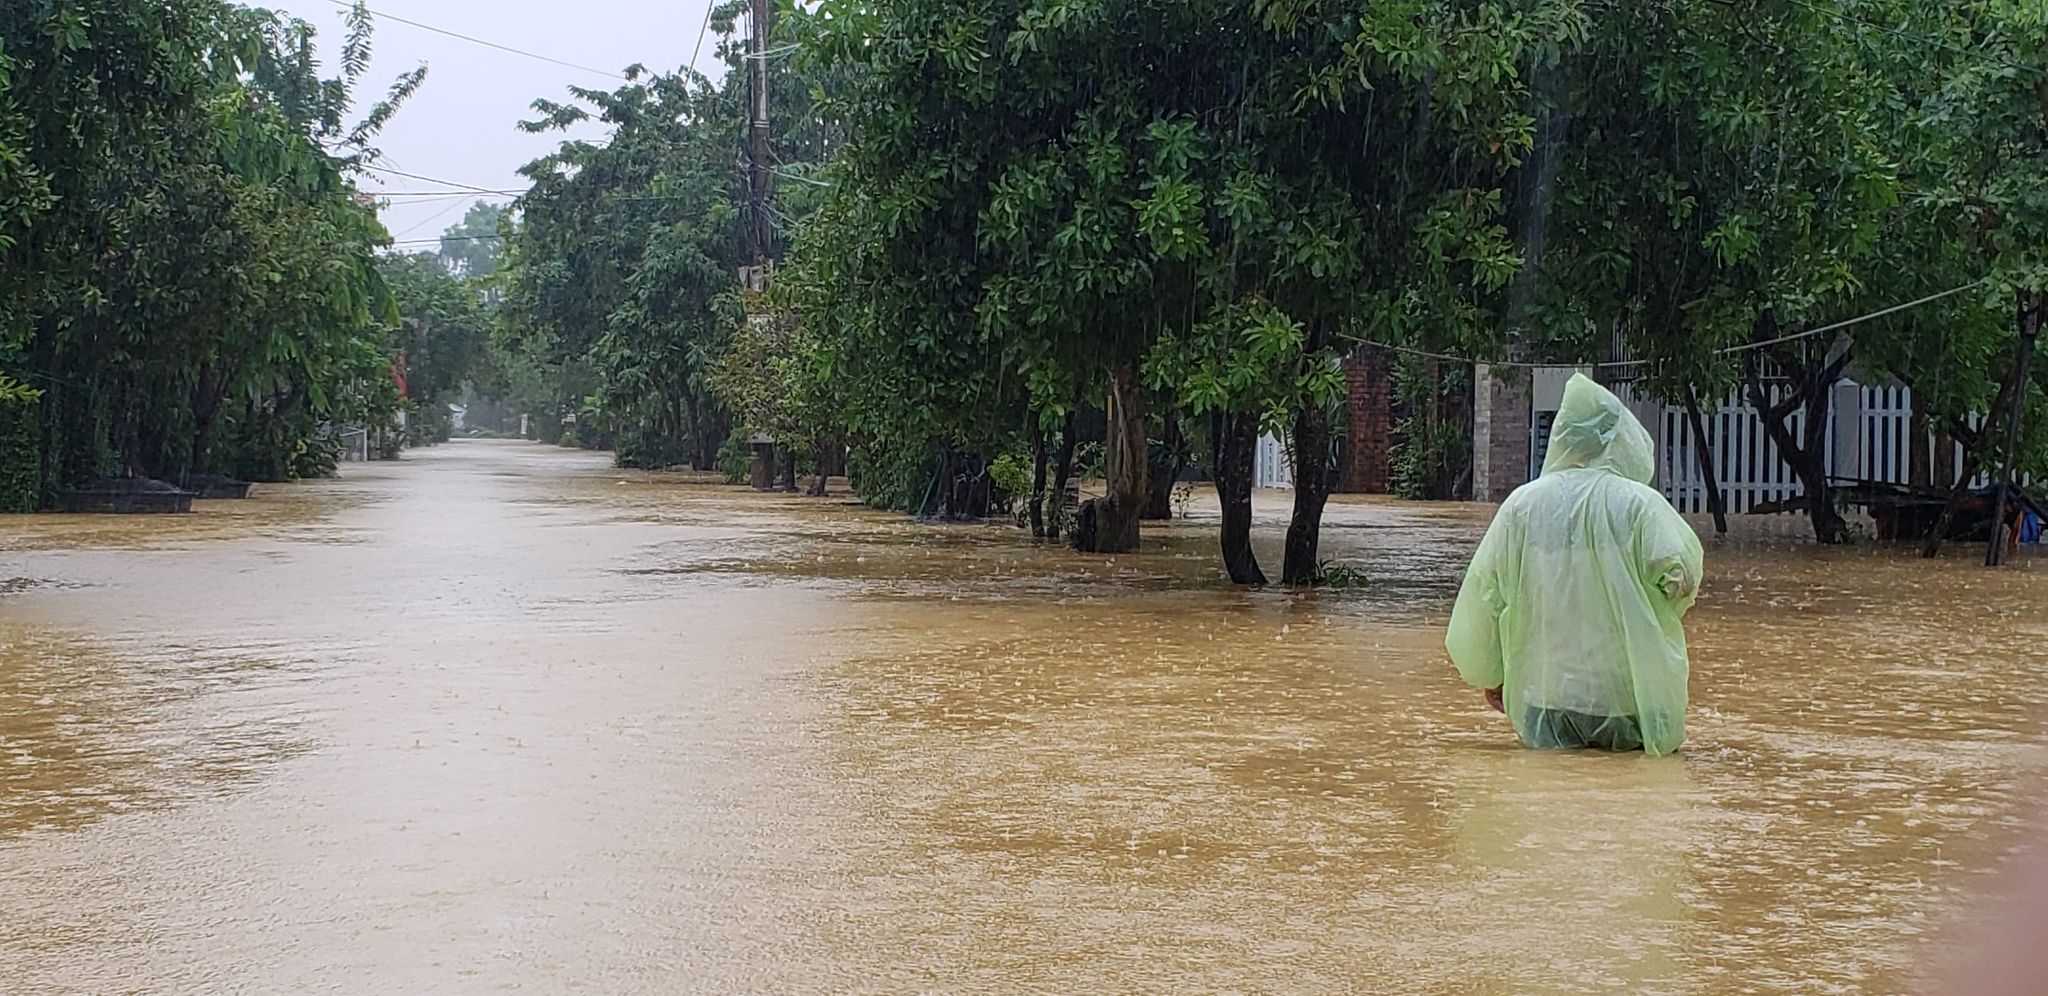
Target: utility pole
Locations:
point(760, 180)
point(760, 228)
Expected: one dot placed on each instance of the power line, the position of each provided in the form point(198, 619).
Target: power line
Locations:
point(773, 53)
point(443, 193)
point(479, 41)
point(473, 189)
point(443, 238)
point(799, 178)
point(1857, 321)
point(428, 220)
point(429, 179)
point(699, 48)
point(1730, 351)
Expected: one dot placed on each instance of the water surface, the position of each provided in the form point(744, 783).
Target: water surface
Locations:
point(498, 718)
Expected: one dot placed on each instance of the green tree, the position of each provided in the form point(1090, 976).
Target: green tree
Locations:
point(1723, 180)
point(626, 255)
point(440, 337)
point(472, 249)
point(1042, 194)
point(179, 246)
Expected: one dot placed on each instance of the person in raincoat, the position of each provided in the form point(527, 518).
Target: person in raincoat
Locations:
point(1570, 615)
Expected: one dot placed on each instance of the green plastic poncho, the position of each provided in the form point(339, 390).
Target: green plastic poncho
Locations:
point(1574, 600)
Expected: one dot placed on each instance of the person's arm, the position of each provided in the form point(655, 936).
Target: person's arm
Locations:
point(1674, 563)
point(1474, 636)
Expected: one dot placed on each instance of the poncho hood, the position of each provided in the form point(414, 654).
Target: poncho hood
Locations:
point(1594, 429)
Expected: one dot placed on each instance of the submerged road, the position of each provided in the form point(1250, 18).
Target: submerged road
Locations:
point(498, 718)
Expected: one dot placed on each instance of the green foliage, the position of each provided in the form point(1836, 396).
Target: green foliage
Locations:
point(442, 328)
point(768, 375)
point(472, 249)
point(1011, 473)
point(645, 447)
point(184, 269)
point(1089, 461)
point(894, 474)
point(1430, 450)
point(626, 256)
point(626, 259)
point(1333, 575)
point(990, 207)
point(314, 456)
point(20, 482)
point(1220, 193)
point(733, 457)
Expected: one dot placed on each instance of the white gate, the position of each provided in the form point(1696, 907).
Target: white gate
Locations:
point(1272, 467)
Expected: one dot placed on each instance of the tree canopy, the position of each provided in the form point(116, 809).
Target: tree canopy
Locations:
point(187, 276)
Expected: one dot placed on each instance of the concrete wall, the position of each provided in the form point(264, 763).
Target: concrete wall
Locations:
point(1500, 431)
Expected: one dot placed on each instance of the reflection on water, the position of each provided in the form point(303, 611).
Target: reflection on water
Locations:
point(1261, 768)
point(303, 512)
point(552, 726)
point(84, 734)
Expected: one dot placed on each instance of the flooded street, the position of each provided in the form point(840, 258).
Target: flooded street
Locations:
point(499, 718)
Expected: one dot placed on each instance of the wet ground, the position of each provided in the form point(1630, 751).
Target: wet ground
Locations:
point(498, 718)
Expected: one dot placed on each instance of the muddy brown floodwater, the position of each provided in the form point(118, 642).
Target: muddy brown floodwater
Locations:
point(497, 718)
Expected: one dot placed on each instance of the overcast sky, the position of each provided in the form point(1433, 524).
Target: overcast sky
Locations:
point(461, 125)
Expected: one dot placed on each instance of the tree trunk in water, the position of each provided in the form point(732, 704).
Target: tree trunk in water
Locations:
point(1124, 467)
point(1931, 546)
point(789, 469)
point(1063, 471)
point(1807, 456)
point(1037, 502)
point(1164, 475)
point(1920, 469)
point(1972, 441)
point(2030, 329)
point(1311, 492)
point(205, 411)
point(1717, 502)
point(1313, 471)
point(818, 483)
point(1235, 440)
point(831, 456)
point(1828, 525)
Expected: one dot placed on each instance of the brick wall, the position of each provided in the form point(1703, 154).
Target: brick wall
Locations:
point(1369, 403)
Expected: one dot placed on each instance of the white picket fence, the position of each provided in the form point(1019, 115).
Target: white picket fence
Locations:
point(1869, 438)
point(1887, 430)
point(1745, 460)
